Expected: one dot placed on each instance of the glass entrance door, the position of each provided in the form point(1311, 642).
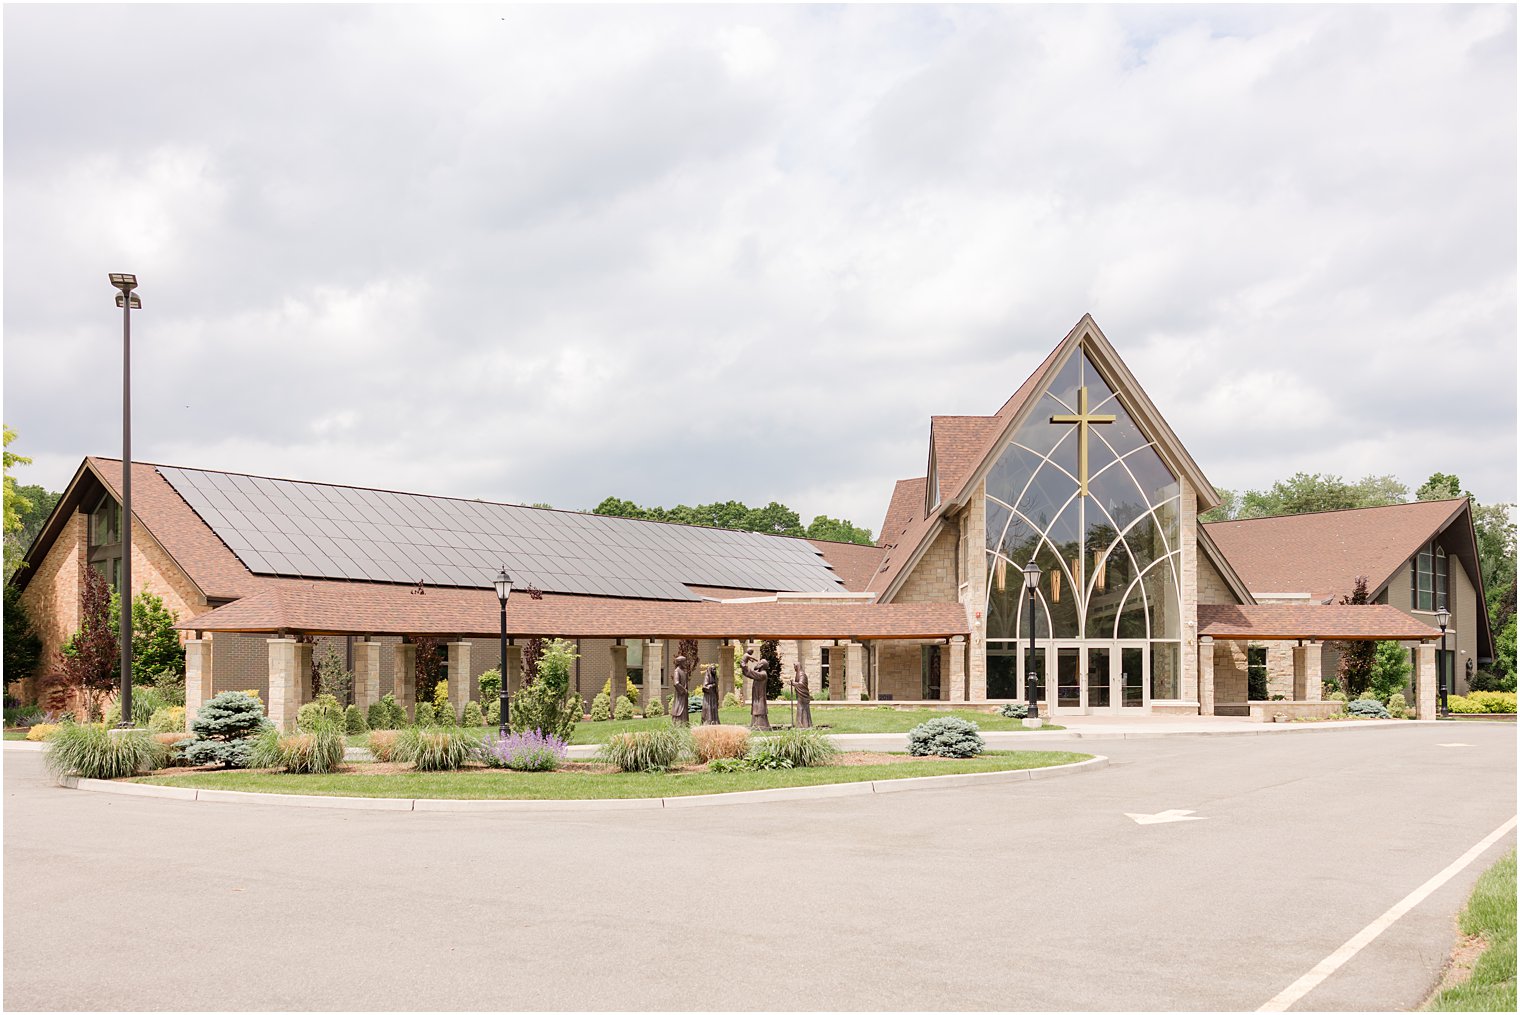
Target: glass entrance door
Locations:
point(1068, 684)
point(1132, 677)
point(1099, 678)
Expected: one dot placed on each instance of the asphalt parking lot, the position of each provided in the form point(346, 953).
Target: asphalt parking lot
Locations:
point(1043, 895)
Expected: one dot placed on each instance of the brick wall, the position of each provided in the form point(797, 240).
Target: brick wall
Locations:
point(51, 598)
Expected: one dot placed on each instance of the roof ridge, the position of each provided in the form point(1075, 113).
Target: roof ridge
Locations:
point(1334, 511)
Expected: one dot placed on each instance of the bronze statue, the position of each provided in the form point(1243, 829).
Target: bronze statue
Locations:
point(755, 672)
point(710, 695)
point(680, 691)
point(802, 697)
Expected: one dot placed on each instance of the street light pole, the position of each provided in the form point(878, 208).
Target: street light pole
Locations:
point(1443, 618)
point(503, 590)
point(1031, 684)
point(128, 301)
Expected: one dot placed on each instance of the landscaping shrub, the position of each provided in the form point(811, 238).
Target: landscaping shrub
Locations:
point(1015, 710)
point(473, 716)
point(43, 730)
point(624, 709)
point(385, 714)
point(443, 715)
point(1485, 681)
point(1367, 695)
point(382, 743)
point(493, 712)
point(1390, 670)
point(324, 710)
point(223, 730)
point(1370, 708)
point(644, 750)
point(946, 737)
point(354, 721)
point(441, 695)
point(169, 719)
point(315, 750)
point(332, 678)
point(709, 742)
point(91, 752)
point(601, 707)
point(424, 715)
point(490, 684)
point(1482, 703)
point(655, 708)
point(1397, 706)
point(1339, 696)
point(524, 752)
point(730, 700)
point(25, 715)
point(548, 704)
point(802, 748)
point(434, 750)
point(694, 704)
point(145, 701)
point(173, 742)
point(762, 755)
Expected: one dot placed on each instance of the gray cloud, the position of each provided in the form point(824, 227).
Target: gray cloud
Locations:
point(685, 254)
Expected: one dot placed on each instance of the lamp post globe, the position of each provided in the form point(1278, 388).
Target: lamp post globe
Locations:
point(1443, 619)
point(1031, 683)
point(503, 590)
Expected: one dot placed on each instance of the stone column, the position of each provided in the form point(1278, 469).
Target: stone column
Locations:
point(725, 669)
point(812, 663)
point(284, 682)
point(1425, 681)
point(404, 676)
point(460, 675)
point(619, 672)
point(1205, 675)
point(976, 667)
point(955, 668)
point(854, 670)
point(1314, 664)
point(198, 680)
point(366, 672)
point(654, 671)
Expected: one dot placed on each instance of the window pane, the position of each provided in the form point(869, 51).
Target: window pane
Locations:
point(1166, 670)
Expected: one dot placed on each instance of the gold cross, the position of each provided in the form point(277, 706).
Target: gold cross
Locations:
point(1083, 419)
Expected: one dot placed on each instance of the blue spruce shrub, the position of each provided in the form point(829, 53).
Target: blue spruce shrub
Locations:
point(947, 737)
point(1014, 710)
point(224, 729)
point(1371, 709)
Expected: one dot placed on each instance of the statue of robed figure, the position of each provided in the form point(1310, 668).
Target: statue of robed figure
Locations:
point(680, 701)
point(755, 672)
point(710, 695)
point(802, 697)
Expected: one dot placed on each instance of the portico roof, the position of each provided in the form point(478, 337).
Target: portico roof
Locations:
point(341, 608)
point(1291, 621)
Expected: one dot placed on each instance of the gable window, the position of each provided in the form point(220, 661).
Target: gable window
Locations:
point(105, 540)
point(1427, 579)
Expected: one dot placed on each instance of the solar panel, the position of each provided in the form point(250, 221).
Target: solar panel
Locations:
point(314, 530)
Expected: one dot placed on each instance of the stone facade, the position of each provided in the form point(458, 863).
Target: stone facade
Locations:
point(934, 579)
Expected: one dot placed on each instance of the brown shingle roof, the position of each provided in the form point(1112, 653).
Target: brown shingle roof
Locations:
point(959, 446)
point(324, 607)
point(1324, 552)
point(907, 507)
point(853, 563)
point(1279, 621)
point(899, 553)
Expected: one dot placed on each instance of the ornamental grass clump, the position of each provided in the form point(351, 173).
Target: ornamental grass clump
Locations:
point(91, 752)
point(946, 737)
point(316, 750)
point(434, 750)
point(645, 750)
point(709, 742)
point(804, 748)
point(382, 743)
point(525, 752)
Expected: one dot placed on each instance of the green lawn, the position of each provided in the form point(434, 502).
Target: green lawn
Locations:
point(15, 734)
point(493, 784)
point(1490, 912)
point(865, 719)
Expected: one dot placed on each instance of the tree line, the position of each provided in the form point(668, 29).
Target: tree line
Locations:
point(774, 518)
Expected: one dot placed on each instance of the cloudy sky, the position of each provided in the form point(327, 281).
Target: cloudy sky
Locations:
point(701, 253)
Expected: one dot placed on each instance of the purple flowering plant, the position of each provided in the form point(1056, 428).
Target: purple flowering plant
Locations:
point(531, 751)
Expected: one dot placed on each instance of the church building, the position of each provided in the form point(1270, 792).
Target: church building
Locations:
point(1058, 537)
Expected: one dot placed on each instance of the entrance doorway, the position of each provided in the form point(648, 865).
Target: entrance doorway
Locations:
point(1091, 677)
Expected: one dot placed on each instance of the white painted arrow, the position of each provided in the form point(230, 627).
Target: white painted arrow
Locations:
point(1162, 818)
point(1453, 745)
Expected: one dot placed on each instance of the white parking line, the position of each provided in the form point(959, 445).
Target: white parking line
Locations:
point(1314, 977)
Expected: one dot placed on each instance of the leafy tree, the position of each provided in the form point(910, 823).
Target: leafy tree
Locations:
point(837, 530)
point(1356, 656)
point(1494, 525)
point(775, 518)
point(547, 704)
point(23, 649)
point(1504, 656)
point(1304, 492)
point(332, 677)
point(770, 654)
point(1440, 486)
point(1390, 670)
point(156, 647)
point(429, 667)
point(89, 661)
point(533, 651)
point(15, 502)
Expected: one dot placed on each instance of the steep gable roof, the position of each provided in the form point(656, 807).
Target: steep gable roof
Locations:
point(955, 445)
point(907, 507)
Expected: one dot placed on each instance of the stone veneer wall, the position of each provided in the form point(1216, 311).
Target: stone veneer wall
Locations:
point(973, 589)
point(1212, 588)
point(1188, 594)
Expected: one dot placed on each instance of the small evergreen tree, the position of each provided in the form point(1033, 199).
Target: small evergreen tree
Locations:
point(490, 684)
point(623, 710)
point(378, 717)
point(354, 721)
point(224, 730)
point(331, 677)
point(473, 716)
point(424, 715)
point(601, 707)
point(443, 714)
point(654, 708)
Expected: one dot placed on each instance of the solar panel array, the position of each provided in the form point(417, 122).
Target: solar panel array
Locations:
point(313, 530)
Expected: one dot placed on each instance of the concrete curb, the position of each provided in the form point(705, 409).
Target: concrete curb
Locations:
point(836, 789)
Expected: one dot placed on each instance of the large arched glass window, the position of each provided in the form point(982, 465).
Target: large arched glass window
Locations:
point(1110, 560)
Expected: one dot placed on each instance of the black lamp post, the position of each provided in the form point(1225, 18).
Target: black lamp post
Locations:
point(1443, 618)
point(128, 301)
point(503, 590)
point(1031, 683)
